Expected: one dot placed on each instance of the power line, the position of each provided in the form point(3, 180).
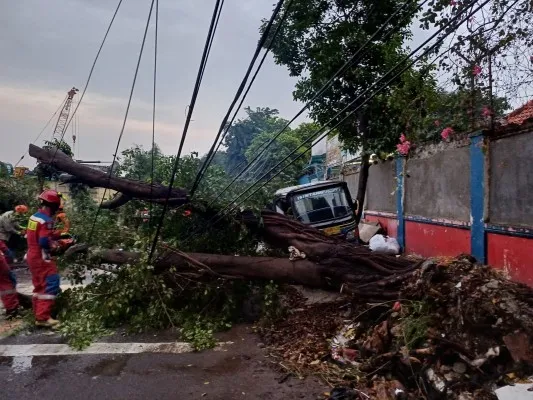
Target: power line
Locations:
point(352, 60)
point(201, 69)
point(409, 65)
point(44, 128)
point(260, 44)
point(153, 108)
point(125, 115)
point(313, 136)
point(90, 74)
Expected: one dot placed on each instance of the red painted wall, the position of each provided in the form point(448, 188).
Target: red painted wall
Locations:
point(429, 240)
point(390, 225)
point(512, 254)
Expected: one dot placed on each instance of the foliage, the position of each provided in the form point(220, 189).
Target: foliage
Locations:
point(4, 170)
point(487, 61)
point(243, 132)
point(46, 171)
point(289, 140)
point(424, 109)
point(499, 32)
point(18, 191)
point(272, 307)
point(136, 297)
point(315, 41)
point(136, 163)
point(416, 318)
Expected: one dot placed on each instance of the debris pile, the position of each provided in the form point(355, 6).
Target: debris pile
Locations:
point(457, 331)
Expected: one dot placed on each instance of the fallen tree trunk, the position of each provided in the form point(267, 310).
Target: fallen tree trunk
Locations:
point(129, 188)
point(284, 270)
point(280, 231)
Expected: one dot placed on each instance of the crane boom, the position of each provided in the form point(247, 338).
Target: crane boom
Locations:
point(61, 123)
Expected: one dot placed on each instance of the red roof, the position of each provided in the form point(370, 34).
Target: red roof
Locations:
point(521, 114)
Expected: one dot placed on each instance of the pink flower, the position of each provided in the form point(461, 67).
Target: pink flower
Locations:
point(453, 3)
point(446, 132)
point(476, 70)
point(487, 112)
point(403, 139)
point(437, 122)
point(403, 148)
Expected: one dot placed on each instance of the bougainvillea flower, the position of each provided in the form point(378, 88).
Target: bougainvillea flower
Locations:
point(453, 3)
point(476, 70)
point(437, 122)
point(487, 112)
point(187, 213)
point(446, 133)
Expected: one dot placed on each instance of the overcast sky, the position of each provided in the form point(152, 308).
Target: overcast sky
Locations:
point(48, 46)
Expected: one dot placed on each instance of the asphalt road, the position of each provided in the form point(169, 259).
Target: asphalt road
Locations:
point(241, 370)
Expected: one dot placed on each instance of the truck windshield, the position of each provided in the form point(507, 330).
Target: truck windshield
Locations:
point(321, 205)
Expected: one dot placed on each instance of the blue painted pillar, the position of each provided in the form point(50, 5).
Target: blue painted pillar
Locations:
point(400, 164)
point(477, 197)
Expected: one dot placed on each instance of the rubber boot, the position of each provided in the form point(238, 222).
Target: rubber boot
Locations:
point(49, 323)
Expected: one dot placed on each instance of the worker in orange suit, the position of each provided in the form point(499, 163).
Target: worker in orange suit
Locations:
point(41, 245)
point(62, 223)
point(8, 283)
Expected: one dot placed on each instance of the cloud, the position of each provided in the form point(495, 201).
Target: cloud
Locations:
point(51, 48)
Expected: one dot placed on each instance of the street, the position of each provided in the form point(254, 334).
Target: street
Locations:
point(240, 369)
point(144, 366)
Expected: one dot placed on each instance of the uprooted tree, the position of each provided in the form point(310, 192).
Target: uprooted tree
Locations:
point(445, 309)
point(322, 261)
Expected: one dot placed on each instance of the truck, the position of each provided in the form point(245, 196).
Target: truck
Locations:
point(325, 205)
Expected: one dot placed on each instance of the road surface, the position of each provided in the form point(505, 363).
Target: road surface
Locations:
point(154, 367)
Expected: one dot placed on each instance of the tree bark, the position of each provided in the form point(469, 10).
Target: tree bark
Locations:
point(130, 188)
point(284, 270)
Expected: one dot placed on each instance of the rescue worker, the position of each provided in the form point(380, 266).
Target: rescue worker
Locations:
point(43, 268)
point(62, 222)
point(8, 282)
point(9, 224)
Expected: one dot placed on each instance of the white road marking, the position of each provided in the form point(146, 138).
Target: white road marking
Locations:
point(35, 350)
point(21, 364)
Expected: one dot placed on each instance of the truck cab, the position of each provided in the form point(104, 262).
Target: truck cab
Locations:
point(326, 206)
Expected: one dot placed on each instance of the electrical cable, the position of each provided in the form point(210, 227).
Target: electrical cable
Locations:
point(409, 65)
point(125, 115)
point(153, 111)
point(223, 124)
point(44, 128)
point(313, 136)
point(90, 74)
point(352, 60)
point(226, 125)
point(203, 62)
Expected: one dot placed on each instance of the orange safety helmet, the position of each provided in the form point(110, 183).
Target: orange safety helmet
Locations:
point(51, 197)
point(21, 209)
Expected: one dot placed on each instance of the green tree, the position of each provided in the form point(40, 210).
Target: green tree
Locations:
point(279, 150)
point(136, 163)
point(241, 134)
point(315, 41)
